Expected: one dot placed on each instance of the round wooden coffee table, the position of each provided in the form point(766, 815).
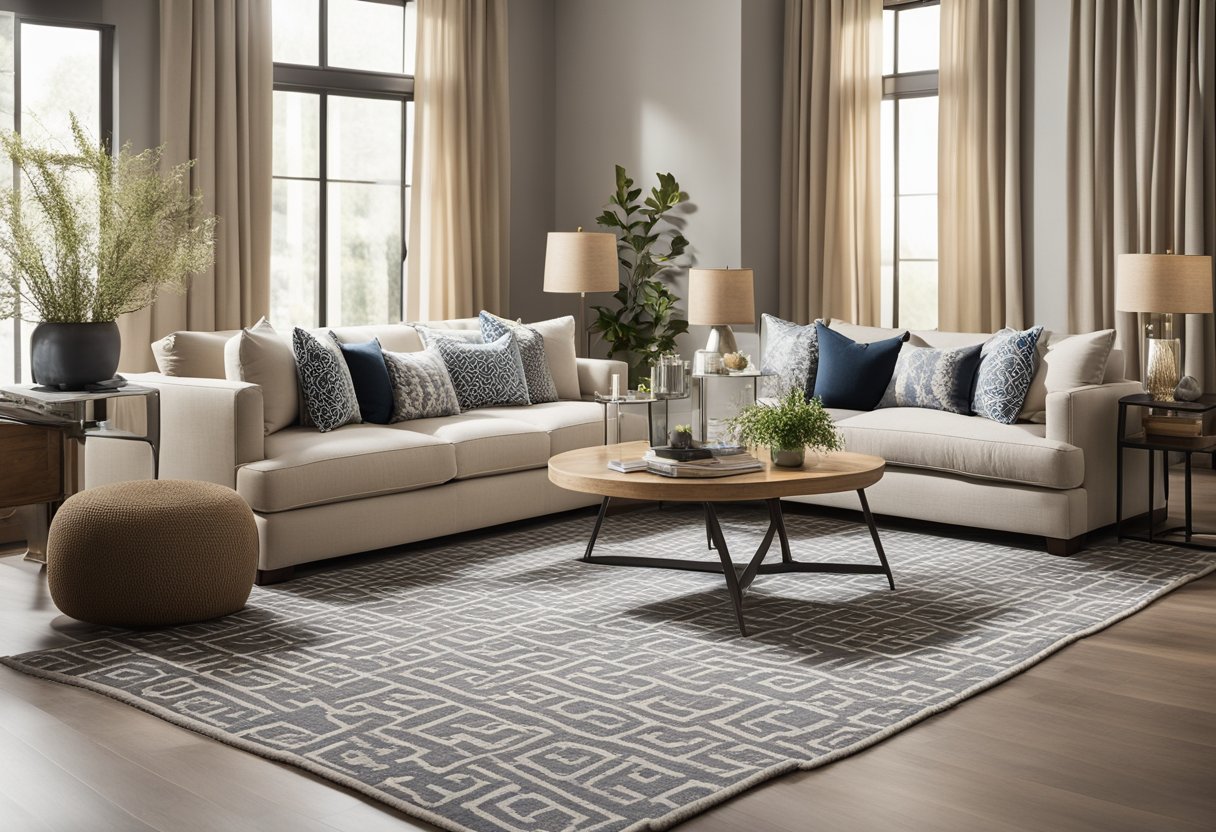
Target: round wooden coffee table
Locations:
point(586, 470)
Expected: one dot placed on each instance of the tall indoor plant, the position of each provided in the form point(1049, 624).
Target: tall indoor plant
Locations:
point(646, 321)
point(87, 236)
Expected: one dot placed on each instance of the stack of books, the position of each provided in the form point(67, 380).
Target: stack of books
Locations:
point(711, 466)
point(1197, 429)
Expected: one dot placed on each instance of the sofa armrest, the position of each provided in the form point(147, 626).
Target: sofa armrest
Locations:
point(208, 427)
point(595, 375)
point(1088, 417)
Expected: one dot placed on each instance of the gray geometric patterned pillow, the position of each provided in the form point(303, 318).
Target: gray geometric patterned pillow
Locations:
point(484, 375)
point(422, 388)
point(325, 382)
point(531, 352)
point(429, 333)
point(1005, 373)
point(792, 352)
point(933, 379)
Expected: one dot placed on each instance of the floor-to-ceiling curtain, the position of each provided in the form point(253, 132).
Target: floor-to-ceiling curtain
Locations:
point(832, 89)
point(216, 85)
point(979, 166)
point(459, 208)
point(1141, 156)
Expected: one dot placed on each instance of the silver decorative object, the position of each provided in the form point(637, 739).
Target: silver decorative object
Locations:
point(1188, 389)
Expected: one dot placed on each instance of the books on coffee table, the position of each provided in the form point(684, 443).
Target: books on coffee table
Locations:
point(739, 463)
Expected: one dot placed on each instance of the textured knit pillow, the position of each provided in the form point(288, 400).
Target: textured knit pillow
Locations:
point(365, 361)
point(531, 352)
point(934, 379)
point(325, 383)
point(791, 352)
point(1004, 376)
point(484, 375)
point(422, 388)
point(854, 376)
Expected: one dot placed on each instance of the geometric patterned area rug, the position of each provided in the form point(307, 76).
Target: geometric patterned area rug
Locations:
point(496, 682)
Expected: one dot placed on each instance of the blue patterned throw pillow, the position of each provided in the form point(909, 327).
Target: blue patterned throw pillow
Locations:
point(791, 354)
point(934, 379)
point(325, 382)
point(1005, 373)
point(422, 388)
point(484, 375)
point(531, 352)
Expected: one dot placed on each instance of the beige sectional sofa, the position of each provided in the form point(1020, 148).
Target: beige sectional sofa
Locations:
point(363, 487)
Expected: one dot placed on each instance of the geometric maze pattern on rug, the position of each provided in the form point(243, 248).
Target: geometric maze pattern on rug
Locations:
point(496, 682)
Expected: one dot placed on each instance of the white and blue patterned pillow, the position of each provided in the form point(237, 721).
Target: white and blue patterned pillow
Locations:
point(422, 388)
point(791, 352)
point(531, 352)
point(1005, 373)
point(933, 379)
point(484, 375)
point(325, 383)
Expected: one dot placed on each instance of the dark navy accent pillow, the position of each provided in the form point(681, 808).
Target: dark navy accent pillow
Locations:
point(854, 376)
point(373, 388)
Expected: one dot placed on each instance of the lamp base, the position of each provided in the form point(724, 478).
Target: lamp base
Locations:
point(1161, 374)
point(721, 340)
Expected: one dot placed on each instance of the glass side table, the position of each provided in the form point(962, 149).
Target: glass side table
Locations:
point(701, 385)
point(1153, 443)
point(657, 420)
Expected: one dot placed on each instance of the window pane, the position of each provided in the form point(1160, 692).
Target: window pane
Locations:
point(411, 36)
point(364, 139)
point(364, 253)
point(918, 294)
point(294, 257)
point(366, 35)
point(918, 39)
point(297, 133)
point(918, 227)
point(918, 145)
point(60, 75)
point(888, 42)
point(294, 25)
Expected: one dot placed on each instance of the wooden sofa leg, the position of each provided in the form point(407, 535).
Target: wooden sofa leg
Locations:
point(1065, 546)
point(274, 576)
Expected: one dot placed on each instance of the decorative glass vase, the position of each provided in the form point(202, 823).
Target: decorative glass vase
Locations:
point(1162, 358)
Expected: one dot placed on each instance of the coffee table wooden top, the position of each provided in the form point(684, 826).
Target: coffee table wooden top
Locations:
point(586, 470)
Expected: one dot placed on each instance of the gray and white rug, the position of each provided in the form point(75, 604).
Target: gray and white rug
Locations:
point(499, 683)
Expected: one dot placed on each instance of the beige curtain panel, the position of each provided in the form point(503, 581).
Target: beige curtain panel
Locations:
point(1141, 156)
point(459, 210)
point(979, 166)
point(216, 84)
point(831, 91)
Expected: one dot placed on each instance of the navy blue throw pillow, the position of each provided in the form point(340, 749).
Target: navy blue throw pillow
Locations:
point(854, 376)
point(373, 388)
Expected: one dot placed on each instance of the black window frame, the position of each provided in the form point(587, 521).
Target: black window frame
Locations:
point(106, 107)
point(901, 86)
point(324, 80)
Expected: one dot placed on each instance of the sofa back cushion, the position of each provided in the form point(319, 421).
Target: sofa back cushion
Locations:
point(189, 354)
point(259, 355)
point(1068, 363)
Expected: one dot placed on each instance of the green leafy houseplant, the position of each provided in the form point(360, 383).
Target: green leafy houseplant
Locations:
point(646, 321)
point(787, 427)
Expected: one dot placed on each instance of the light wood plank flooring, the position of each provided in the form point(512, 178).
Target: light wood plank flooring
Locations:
point(1117, 732)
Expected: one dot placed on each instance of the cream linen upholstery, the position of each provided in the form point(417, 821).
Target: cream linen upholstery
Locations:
point(1068, 363)
point(595, 375)
point(484, 445)
point(393, 337)
point(570, 425)
point(259, 355)
point(192, 354)
point(966, 445)
point(305, 468)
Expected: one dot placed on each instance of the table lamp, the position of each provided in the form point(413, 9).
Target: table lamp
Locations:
point(1163, 285)
point(581, 261)
point(719, 298)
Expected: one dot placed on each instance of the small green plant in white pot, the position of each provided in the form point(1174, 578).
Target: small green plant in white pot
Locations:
point(788, 427)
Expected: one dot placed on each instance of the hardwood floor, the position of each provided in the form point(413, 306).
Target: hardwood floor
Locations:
point(1116, 732)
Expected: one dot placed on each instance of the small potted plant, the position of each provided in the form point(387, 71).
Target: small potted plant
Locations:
point(681, 437)
point(787, 428)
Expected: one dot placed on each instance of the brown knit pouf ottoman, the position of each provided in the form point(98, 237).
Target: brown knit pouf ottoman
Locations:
point(152, 553)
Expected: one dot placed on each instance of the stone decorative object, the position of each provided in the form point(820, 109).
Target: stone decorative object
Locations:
point(735, 361)
point(1188, 389)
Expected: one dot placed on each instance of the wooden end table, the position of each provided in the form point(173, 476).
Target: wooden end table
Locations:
point(586, 470)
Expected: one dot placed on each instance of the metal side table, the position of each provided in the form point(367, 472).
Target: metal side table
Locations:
point(701, 385)
point(657, 423)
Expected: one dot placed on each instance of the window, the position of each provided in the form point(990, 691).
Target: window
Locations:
point(343, 112)
point(49, 70)
point(909, 165)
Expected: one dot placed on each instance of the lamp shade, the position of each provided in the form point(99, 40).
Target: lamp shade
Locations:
point(721, 296)
point(581, 261)
point(1178, 283)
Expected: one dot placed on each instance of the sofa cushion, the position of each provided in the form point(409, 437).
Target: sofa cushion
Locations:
point(392, 337)
point(259, 355)
point(967, 445)
point(791, 352)
point(306, 468)
point(192, 354)
point(422, 388)
point(1005, 373)
point(373, 389)
point(1066, 364)
point(939, 379)
point(531, 352)
point(570, 425)
point(853, 374)
point(486, 445)
point(484, 375)
point(325, 383)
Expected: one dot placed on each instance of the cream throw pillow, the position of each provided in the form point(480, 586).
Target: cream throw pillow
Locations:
point(260, 356)
point(1076, 361)
point(559, 352)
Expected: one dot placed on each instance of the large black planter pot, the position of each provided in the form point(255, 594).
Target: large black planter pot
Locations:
point(71, 356)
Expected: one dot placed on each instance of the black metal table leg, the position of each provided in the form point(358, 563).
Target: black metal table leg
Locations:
point(1152, 475)
point(1119, 436)
point(882, 556)
point(1188, 496)
point(595, 531)
point(777, 518)
point(728, 566)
